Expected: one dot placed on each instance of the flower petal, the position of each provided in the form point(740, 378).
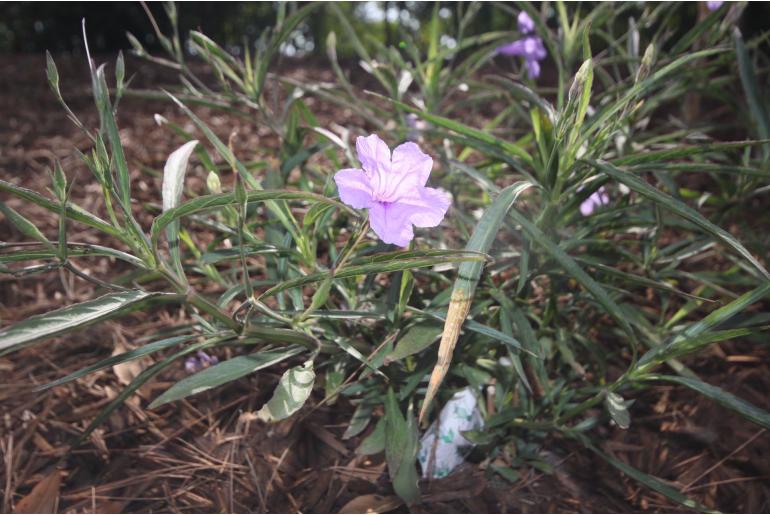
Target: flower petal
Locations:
point(391, 224)
point(587, 206)
point(412, 164)
point(526, 23)
point(539, 52)
point(533, 68)
point(427, 209)
point(512, 49)
point(374, 155)
point(354, 187)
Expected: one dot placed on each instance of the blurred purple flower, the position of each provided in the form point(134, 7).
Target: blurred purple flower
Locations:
point(206, 359)
point(393, 189)
point(192, 365)
point(713, 5)
point(526, 24)
point(597, 199)
point(416, 127)
point(531, 48)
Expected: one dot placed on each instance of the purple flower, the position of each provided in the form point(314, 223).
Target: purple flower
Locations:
point(526, 25)
point(713, 5)
point(393, 189)
point(597, 199)
point(416, 127)
point(192, 364)
point(531, 48)
point(206, 359)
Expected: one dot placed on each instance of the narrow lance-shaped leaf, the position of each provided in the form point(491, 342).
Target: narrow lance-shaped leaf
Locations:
point(698, 334)
point(401, 443)
point(751, 88)
point(110, 126)
point(73, 211)
point(683, 210)
point(141, 379)
point(207, 202)
point(173, 174)
point(73, 317)
point(224, 372)
point(377, 267)
point(26, 227)
point(573, 269)
point(465, 286)
point(173, 182)
point(290, 395)
point(470, 132)
point(726, 399)
point(647, 480)
point(119, 358)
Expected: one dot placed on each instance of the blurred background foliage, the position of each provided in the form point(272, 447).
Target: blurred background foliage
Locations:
point(56, 26)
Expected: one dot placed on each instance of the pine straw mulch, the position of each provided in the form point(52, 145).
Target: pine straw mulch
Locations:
point(209, 453)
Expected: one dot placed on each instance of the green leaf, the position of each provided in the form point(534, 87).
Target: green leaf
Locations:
point(420, 336)
point(469, 132)
point(401, 443)
point(757, 105)
point(375, 267)
point(220, 200)
point(173, 183)
point(73, 317)
point(359, 420)
point(681, 209)
point(726, 399)
point(375, 442)
point(662, 159)
point(73, 212)
point(699, 334)
point(173, 174)
point(224, 372)
point(109, 125)
point(52, 73)
point(681, 347)
point(647, 480)
point(293, 390)
point(73, 250)
point(572, 268)
point(223, 149)
point(141, 379)
point(118, 359)
point(26, 227)
point(219, 255)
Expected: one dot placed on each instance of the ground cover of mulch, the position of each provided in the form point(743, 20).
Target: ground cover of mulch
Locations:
point(209, 453)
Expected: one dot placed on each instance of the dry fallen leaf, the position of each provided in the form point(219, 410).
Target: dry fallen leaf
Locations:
point(42, 498)
point(372, 503)
point(126, 372)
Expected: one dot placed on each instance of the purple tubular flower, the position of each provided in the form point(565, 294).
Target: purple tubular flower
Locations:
point(531, 48)
point(526, 25)
point(192, 365)
point(597, 199)
point(207, 360)
point(392, 188)
point(713, 5)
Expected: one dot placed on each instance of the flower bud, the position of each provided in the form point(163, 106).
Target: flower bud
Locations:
point(213, 183)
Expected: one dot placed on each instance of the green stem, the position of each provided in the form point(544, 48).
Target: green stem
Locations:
point(197, 300)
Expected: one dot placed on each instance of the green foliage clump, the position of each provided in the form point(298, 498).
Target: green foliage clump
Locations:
point(563, 310)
